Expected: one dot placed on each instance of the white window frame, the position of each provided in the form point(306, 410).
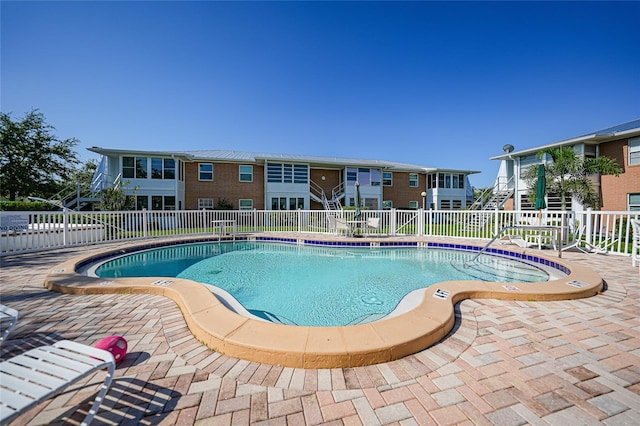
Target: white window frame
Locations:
point(414, 178)
point(387, 204)
point(415, 205)
point(633, 206)
point(200, 172)
point(634, 152)
point(245, 173)
point(247, 201)
point(205, 203)
point(390, 179)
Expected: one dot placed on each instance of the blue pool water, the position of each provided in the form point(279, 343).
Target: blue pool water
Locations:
point(316, 286)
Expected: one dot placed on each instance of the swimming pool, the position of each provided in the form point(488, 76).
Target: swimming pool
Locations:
point(422, 318)
point(318, 286)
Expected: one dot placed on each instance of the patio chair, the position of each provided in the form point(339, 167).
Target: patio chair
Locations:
point(342, 227)
point(10, 316)
point(41, 373)
point(373, 224)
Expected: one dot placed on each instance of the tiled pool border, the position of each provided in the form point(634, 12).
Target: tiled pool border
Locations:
point(428, 319)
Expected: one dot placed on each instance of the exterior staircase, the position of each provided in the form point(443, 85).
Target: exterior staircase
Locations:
point(501, 192)
point(319, 195)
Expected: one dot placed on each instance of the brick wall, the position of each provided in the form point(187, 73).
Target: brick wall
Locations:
point(225, 185)
point(614, 190)
point(400, 193)
point(331, 180)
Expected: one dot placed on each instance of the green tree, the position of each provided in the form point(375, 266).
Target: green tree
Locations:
point(569, 174)
point(33, 161)
point(117, 198)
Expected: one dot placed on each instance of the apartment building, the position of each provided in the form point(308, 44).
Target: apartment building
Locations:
point(620, 142)
point(189, 180)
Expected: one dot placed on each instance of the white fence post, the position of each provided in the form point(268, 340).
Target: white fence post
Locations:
point(393, 222)
point(65, 227)
point(588, 230)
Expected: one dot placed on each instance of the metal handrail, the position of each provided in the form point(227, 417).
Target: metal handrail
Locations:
point(530, 227)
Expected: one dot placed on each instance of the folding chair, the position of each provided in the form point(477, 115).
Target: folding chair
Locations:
point(10, 316)
point(41, 373)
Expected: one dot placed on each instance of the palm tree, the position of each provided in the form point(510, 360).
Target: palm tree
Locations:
point(570, 175)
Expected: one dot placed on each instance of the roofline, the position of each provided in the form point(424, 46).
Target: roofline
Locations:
point(313, 161)
point(596, 138)
point(103, 151)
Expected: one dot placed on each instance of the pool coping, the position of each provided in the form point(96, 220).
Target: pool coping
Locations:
point(385, 340)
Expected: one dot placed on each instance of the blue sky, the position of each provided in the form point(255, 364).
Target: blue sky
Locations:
point(443, 84)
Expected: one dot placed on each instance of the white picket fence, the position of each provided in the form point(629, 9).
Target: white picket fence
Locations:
point(22, 232)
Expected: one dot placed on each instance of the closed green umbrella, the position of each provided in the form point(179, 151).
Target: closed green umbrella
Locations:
point(357, 199)
point(541, 188)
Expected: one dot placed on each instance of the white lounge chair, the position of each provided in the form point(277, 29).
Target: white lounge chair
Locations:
point(41, 373)
point(601, 243)
point(8, 320)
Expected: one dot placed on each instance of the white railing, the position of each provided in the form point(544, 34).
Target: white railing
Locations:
point(22, 232)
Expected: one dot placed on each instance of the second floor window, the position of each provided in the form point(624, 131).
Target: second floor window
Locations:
point(163, 168)
point(246, 173)
point(134, 167)
point(634, 151)
point(205, 171)
point(413, 180)
point(387, 178)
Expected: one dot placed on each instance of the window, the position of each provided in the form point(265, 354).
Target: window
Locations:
point(156, 168)
point(156, 202)
point(526, 162)
point(554, 202)
point(287, 173)
point(375, 177)
point(141, 167)
point(246, 204)
point(634, 202)
point(300, 173)
point(413, 180)
point(296, 203)
point(368, 177)
point(525, 203)
point(457, 204)
point(432, 180)
point(634, 151)
point(169, 202)
point(279, 203)
point(169, 168)
point(387, 204)
point(142, 202)
point(413, 205)
point(445, 205)
point(457, 181)
point(441, 180)
point(246, 175)
point(387, 179)
point(128, 167)
point(205, 171)
point(205, 204)
point(134, 167)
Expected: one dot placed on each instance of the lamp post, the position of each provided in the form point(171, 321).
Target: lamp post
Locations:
point(424, 200)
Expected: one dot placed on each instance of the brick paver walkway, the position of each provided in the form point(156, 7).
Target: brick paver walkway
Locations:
point(505, 363)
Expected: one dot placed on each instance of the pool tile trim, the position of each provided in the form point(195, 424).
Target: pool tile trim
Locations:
point(385, 340)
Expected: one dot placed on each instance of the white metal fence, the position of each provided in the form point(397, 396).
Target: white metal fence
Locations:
point(22, 232)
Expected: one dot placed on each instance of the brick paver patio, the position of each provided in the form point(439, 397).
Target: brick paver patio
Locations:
point(505, 363)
